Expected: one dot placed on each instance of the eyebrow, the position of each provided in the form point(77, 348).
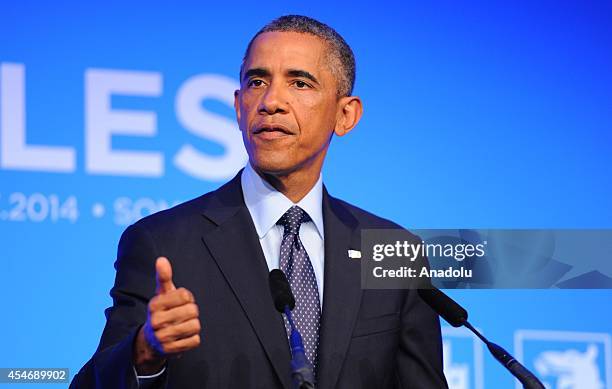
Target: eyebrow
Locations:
point(303, 74)
point(256, 72)
point(262, 72)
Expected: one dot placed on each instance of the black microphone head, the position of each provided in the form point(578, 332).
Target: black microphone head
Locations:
point(444, 306)
point(281, 291)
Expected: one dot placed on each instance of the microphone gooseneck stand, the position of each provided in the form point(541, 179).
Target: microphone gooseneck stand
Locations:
point(302, 372)
point(457, 316)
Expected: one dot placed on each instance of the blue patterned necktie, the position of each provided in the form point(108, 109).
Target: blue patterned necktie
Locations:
point(294, 261)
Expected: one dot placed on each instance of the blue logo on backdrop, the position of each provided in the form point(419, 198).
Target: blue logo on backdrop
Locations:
point(566, 360)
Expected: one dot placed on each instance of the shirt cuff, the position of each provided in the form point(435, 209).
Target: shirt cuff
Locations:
point(145, 377)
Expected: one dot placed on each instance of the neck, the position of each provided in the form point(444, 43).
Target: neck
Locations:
point(295, 185)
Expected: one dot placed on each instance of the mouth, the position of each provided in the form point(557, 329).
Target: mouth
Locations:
point(272, 129)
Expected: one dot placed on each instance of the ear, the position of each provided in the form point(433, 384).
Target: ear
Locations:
point(237, 104)
point(350, 110)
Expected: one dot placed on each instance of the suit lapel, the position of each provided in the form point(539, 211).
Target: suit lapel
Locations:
point(342, 291)
point(235, 247)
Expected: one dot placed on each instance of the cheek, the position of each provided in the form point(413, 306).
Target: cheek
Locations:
point(319, 117)
point(310, 101)
point(312, 110)
point(248, 105)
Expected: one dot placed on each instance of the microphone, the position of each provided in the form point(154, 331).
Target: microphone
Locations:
point(302, 371)
point(457, 316)
point(281, 291)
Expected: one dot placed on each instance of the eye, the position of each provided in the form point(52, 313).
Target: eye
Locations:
point(301, 84)
point(255, 83)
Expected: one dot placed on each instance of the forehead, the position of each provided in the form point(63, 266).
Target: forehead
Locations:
point(284, 50)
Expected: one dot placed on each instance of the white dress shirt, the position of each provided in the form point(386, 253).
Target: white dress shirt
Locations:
point(266, 206)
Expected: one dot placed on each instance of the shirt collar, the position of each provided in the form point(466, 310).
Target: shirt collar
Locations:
point(266, 205)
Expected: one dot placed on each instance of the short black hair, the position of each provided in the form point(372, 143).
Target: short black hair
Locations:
point(342, 59)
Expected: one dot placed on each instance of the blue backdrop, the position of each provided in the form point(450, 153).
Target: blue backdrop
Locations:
point(477, 115)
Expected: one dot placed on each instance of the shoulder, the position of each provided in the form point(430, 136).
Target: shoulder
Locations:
point(365, 218)
point(181, 218)
point(222, 201)
point(175, 221)
point(368, 220)
point(177, 212)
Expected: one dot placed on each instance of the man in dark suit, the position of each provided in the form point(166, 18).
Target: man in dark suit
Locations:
point(220, 328)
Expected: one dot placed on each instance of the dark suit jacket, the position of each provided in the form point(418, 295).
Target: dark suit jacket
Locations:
point(368, 338)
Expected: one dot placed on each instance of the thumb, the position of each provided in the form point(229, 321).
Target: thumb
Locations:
point(163, 272)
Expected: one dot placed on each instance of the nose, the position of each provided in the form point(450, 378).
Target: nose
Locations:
point(273, 100)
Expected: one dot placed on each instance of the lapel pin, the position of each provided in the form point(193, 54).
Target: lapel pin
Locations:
point(354, 254)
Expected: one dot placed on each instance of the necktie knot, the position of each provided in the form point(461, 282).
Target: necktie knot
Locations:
point(292, 219)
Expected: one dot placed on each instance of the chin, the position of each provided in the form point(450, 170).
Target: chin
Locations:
point(273, 166)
